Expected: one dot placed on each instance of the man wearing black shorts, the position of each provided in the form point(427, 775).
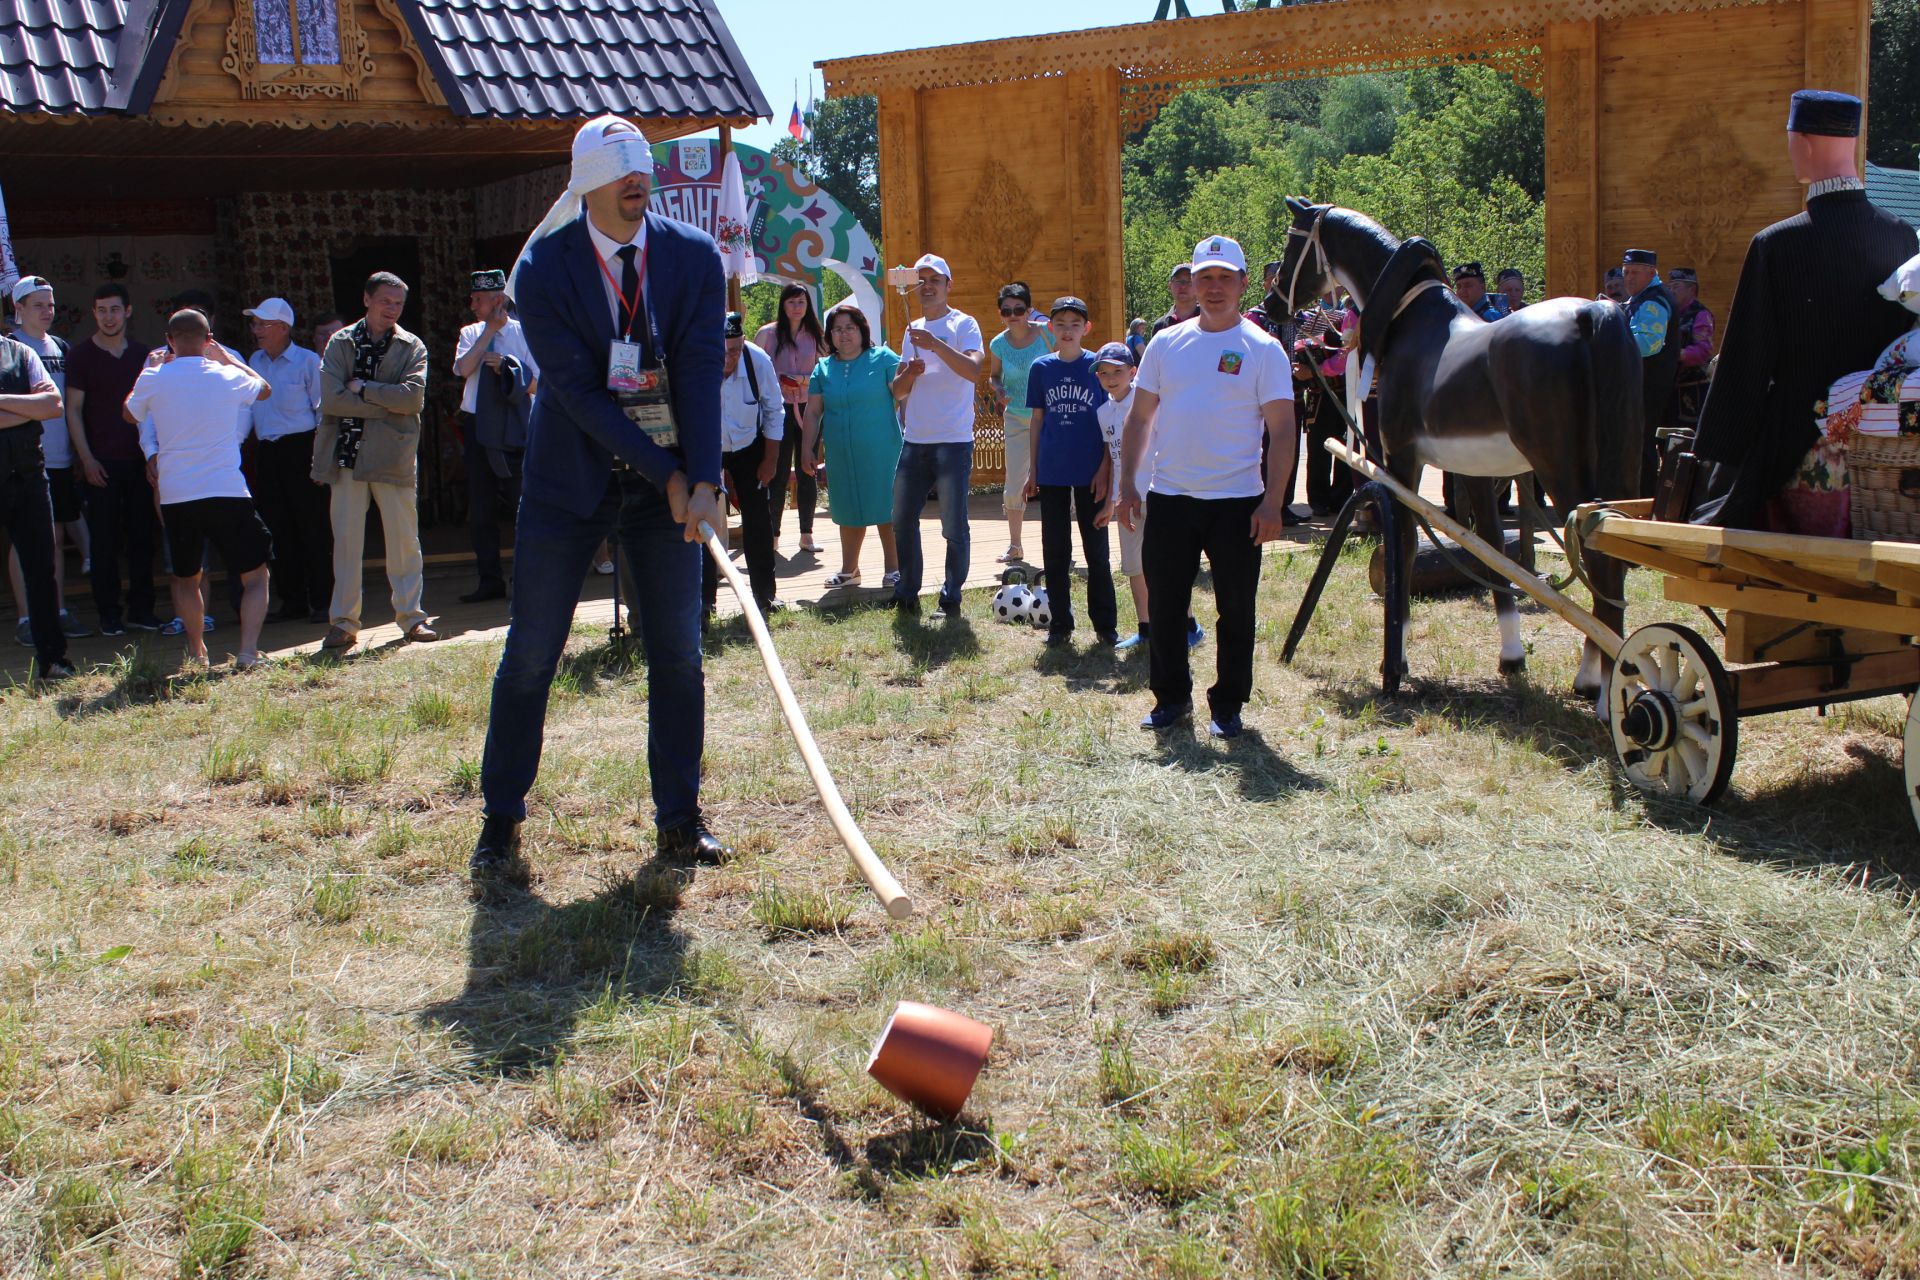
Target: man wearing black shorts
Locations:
point(188, 410)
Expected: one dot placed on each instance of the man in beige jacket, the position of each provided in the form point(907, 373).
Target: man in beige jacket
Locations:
point(373, 383)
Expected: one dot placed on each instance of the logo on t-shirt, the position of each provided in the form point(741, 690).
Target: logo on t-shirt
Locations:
point(1230, 362)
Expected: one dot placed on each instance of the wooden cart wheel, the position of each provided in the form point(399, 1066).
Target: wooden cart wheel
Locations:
point(1674, 721)
point(1913, 755)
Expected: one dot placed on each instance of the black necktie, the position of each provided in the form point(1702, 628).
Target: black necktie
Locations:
point(629, 289)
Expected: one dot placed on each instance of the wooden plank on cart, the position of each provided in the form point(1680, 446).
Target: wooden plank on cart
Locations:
point(1758, 637)
point(1782, 688)
point(1866, 615)
point(1843, 558)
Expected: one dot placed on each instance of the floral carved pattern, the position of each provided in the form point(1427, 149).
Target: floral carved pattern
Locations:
point(1000, 223)
point(1708, 185)
point(339, 81)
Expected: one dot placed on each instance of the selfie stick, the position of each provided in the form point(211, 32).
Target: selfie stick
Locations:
point(885, 887)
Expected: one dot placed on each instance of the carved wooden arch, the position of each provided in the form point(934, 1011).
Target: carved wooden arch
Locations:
point(338, 81)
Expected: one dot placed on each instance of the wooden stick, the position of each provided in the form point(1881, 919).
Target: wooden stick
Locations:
point(878, 878)
point(1536, 587)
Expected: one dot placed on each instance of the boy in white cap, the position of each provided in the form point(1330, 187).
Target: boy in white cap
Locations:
point(1208, 393)
point(624, 311)
point(33, 319)
point(942, 359)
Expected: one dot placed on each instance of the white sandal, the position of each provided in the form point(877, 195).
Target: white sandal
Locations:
point(840, 580)
point(1012, 555)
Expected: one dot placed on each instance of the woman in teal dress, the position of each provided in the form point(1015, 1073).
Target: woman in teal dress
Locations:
point(850, 400)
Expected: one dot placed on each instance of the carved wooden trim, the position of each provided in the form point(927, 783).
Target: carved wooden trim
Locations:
point(339, 82)
point(422, 74)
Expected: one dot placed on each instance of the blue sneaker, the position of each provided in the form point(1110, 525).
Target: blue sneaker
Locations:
point(1160, 719)
point(1194, 634)
point(1133, 641)
point(177, 627)
point(1226, 725)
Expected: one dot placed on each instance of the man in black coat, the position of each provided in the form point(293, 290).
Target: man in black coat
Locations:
point(1805, 313)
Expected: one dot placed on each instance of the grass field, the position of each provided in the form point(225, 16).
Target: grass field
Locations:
point(1398, 988)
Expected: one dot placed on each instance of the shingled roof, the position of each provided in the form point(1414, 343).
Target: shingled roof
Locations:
point(493, 59)
point(1897, 191)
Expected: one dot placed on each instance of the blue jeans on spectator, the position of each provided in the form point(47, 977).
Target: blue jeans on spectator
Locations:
point(553, 550)
point(947, 469)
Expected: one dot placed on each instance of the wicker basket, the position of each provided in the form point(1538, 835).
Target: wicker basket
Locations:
point(1885, 474)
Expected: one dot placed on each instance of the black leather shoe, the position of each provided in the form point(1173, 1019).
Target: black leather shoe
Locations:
point(496, 863)
point(485, 591)
point(692, 842)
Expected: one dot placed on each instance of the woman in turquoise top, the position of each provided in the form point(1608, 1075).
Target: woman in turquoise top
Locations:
point(850, 400)
point(1010, 357)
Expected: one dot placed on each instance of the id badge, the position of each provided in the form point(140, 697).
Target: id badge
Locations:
point(623, 366)
point(648, 404)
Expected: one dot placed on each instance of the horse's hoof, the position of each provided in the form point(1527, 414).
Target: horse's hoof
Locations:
point(1512, 666)
point(1586, 689)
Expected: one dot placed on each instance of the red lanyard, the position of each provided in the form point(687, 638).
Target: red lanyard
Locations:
point(632, 309)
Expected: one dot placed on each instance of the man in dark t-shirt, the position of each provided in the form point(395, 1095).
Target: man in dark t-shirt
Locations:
point(110, 466)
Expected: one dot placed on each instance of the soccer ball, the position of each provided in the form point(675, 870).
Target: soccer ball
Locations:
point(1011, 603)
point(1039, 612)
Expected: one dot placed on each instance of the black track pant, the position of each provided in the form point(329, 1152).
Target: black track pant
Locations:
point(1179, 530)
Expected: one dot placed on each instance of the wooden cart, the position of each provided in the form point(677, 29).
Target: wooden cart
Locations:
point(1808, 622)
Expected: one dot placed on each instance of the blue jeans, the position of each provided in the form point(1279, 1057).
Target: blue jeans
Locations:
point(947, 469)
point(552, 551)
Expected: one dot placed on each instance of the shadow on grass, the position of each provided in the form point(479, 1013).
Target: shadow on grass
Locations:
point(917, 1149)
point(1261, 773)
point(934, 641)
point(533, 966)
point(1560, 727)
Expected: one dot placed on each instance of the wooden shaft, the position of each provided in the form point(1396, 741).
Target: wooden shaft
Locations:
point(1536, 587)
point(885, 887)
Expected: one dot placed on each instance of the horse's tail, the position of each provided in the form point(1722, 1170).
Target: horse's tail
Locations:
point(1611, 361)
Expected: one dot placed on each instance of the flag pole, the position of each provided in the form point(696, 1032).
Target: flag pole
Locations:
point(726, 149)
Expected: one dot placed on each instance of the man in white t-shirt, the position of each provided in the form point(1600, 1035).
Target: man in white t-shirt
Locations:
point(942, 359)
point(1209, 392)
point(32, 318)
point(188, 409)
point(494, 337)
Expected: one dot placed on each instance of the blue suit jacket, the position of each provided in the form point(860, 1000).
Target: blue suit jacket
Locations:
point(576, 430)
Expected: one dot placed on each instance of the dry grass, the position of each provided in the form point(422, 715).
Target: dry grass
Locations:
point(1382, 989)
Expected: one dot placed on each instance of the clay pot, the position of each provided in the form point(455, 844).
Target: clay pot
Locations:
point(930, 1057)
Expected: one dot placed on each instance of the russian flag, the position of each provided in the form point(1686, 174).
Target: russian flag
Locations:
point(796, 125)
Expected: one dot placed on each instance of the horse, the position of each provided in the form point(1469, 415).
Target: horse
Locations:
point(1553, 389)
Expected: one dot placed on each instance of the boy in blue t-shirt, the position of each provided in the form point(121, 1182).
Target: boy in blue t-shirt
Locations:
point(1072, 474)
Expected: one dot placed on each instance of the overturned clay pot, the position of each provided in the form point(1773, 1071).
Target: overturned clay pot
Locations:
point(930, 1057)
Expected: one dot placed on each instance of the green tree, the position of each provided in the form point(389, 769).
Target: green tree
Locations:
point(1198, 133)
point(1893, 127)
point(843, 155)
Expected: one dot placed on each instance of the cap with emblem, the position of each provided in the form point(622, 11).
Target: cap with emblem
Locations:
point(1640, 258)
point(277, 310)
point(1114, 353)
point(1825, 114)
point(1219, 251)
point(736, 327)
point(1469, 271)
point(1683, 275)
point(488, 281)
point(27, 286)
point(935, 263)
point(1180, 269)
point(1068, 303)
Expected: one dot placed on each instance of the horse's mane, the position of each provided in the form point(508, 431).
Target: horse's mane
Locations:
point(1360, 224)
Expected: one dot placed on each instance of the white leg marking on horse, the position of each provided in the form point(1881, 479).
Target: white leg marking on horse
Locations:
point(1591, 678)
point(1512, 648)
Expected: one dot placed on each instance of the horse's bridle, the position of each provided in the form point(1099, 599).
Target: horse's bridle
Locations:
point(1312, 236)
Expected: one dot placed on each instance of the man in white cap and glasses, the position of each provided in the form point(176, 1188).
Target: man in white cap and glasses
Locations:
point(28, 398)
point(293, 504)
point(1209, 392)
point(942, 359)
point(32, 321)
point(624, 310)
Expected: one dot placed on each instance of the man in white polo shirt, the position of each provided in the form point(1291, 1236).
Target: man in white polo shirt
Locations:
point(493, 337)
point(1208, 393)
point(942, 360)
point(188, 411)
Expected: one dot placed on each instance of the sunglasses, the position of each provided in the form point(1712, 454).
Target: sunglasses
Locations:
point(1013, 311)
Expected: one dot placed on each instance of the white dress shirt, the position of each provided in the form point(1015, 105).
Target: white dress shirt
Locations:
point(742, 415)
point(610, 278)
point(192, 422)
point(294, 406)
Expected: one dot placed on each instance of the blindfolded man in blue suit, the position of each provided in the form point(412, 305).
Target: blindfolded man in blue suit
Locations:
point(623, 310)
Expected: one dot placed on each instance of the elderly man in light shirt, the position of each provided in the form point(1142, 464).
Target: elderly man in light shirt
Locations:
point(751, 428)
point(292, 504)
point(494, 336)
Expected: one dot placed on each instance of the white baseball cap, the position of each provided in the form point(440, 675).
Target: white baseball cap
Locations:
point(272, 309)
point(1219, 251)
point(30, 285)
point(934, 262)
